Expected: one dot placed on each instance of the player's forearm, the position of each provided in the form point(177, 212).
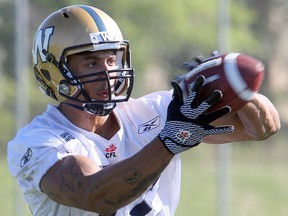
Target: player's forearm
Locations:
point(260, 118)
point(117, 185)
point(257, 120)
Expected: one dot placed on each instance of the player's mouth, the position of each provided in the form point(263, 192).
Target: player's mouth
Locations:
point(104, 94)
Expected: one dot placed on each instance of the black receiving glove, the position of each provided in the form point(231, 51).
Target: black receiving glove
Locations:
point(190, 65)
point(187, 123)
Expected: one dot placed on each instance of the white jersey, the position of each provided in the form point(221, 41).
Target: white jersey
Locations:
point(50, 137)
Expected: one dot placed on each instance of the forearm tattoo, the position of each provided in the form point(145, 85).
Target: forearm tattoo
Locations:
point(141, 182)
point(133, 176)
point(71, 182)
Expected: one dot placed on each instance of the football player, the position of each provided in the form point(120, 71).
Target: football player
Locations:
point(100, 152)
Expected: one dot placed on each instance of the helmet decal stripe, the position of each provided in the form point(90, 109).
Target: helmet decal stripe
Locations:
point(97, 19)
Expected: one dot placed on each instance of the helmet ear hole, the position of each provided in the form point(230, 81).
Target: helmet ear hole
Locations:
point(44, 88)
point(46, 74)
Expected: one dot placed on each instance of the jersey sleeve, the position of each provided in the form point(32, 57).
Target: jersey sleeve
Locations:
point(30, 156)
point(158, 101)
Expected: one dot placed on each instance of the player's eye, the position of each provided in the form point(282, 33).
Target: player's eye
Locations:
point(111, 61)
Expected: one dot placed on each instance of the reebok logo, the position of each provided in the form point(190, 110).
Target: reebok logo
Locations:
point(26, 157)
point(150, 125)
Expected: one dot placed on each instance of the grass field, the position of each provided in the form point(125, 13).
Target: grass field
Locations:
point(258, 178)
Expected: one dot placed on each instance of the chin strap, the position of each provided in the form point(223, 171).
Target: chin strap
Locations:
point(95, 109)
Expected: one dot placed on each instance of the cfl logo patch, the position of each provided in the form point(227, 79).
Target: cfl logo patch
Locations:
point(111, 151)
point(183, 135)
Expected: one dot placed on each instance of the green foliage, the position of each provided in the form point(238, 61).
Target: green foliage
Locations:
point(242, 33)
point(10, 194)
point(6, 38)
point(7, 117)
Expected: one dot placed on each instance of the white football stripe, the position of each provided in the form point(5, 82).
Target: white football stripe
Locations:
point(234, 77)
point(246, 95)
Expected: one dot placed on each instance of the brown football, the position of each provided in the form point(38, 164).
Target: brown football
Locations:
point(237, 75)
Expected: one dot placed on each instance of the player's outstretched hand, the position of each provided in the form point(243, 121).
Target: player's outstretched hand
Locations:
point(187, 123)
point(195, 61)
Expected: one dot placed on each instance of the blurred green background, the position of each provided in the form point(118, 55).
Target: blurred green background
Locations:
point(162, 35)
